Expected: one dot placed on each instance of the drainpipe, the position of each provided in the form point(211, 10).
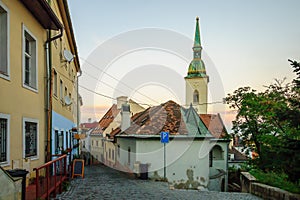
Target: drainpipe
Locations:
point(49, 90)
point(78, 107)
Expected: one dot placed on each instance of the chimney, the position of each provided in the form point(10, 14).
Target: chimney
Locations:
point(121, 100)
point(89, 120)
point(125, 116)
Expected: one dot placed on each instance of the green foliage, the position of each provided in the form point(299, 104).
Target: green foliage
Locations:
point(279, 180)
point(268, 123)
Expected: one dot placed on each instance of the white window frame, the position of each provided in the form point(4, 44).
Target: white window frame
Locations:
point(55, 84)
point(6, 76)
point(35, 157)
point(35, 61)
point(7, 162)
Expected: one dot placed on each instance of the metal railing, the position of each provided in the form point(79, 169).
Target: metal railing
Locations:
point(50, 176)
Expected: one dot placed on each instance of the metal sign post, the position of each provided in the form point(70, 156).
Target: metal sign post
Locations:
point(164, 138)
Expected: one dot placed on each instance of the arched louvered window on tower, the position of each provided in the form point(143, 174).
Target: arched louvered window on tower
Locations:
point(196, 97)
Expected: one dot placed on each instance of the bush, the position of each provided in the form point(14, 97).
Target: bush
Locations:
point(276, 180)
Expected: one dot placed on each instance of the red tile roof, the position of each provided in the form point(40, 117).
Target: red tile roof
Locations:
point(89, 125)
point(176, 120)
point(238, 156)
point(106, 119)
point(214, 124)
point(152, 121)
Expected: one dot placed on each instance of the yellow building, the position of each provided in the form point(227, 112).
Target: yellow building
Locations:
point(65, 98)
point(33, 37)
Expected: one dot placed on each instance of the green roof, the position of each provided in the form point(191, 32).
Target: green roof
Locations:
point(197, 40)
point(194, 124)
point(197, 66)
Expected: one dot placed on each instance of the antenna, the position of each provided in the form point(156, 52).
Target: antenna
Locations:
point(68, 55)
point(67, 101)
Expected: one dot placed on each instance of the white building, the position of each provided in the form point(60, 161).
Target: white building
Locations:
point(197, 154)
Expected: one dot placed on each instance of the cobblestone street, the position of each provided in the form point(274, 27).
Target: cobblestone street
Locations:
point(101, 182)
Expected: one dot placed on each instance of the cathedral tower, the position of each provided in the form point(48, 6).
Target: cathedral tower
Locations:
point(196, 80)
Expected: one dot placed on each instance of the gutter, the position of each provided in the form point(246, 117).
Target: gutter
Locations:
point(49, 86)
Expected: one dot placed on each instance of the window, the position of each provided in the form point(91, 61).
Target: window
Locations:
point(70, 140)
point(128, 155)
point(109, 154)
point(97, 143)
point(4, 138)
point(67, 139)
point(70, 96)
point(30, 130)
point(61, 94)
point(196, 97)
point(55, 83)
point(29, 60)
point(4, 42)
point(61, 140)
point(119, 150)
point(216, 153)
point(92, 142)
point(66, 91)
point(112, 154)
point(210, 159)
point(56, 142)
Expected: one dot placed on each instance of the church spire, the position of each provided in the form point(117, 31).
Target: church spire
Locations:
point(197, 40)
point(197, 67)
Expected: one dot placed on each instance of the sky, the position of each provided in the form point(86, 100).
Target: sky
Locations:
point(245, 43)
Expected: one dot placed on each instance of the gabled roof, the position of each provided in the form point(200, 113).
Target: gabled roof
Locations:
point(194, 123)
point(89, 125)
point(238, 156)
point(214, 124)
point(167, 117)
point(106, 119)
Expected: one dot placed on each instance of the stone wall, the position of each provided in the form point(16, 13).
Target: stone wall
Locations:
point(272, 193)
point(250, 185)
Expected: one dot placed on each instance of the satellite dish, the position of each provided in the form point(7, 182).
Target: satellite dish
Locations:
point(68, 55)
point(67, 100)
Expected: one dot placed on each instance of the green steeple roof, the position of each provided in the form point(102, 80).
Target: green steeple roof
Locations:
point(197, 66)
point(197, 40)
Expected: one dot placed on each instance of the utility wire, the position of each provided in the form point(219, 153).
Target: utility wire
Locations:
point(103, 95)
point(93, 77)
point(114, 89)
point(135, 90)
point(109, 97)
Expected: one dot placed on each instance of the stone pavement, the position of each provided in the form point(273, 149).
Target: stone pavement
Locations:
point(101, 182)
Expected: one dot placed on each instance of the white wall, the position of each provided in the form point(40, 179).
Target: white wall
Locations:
point(124, 143)
point(181, 155)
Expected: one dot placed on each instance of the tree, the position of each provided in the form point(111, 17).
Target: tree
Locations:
point(268, 123)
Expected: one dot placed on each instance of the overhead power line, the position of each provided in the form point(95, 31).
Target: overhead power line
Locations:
point(135, 90)
point(103, 95)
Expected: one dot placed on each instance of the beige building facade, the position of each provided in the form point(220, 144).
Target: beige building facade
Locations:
point(30, 37)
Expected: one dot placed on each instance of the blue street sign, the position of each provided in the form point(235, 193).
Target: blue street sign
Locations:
point(164, 137)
